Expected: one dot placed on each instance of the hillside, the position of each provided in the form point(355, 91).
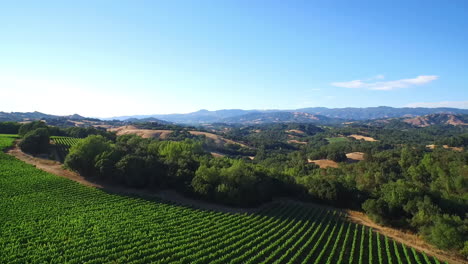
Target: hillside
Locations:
point(348, 113)
point(438, 119)
point(353, 113)
point(281, 117)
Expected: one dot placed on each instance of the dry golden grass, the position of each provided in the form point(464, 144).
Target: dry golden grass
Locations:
point(217, 139)
point(432, 146)
point(297, 131)
point(297, 141)
point(217, 154)
point(324, 163)
point(144, 133)
point(359, 137)
point(355, 155)
point(162, 134)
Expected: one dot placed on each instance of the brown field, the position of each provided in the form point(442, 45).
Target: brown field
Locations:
point(217, 139)
point(297, 131)
point(297, 141)
point(324, 163)
point(425, 121)
point(359, 137)
point(162, 134)
point(432, 146)
point(144, 133)
point(217, 154)
point(355, 155)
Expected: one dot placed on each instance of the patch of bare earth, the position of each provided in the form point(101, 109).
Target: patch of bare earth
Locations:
point(50, 166)
point(455, 121)
point(56, 168)
point(324, 163)
point(217, 139)
point(144, 133)
point(418, 121)
point(355, 155)
point(297, 141)
point(432, 146)
point(360, 137)
point(217, 154)
point(297, 131)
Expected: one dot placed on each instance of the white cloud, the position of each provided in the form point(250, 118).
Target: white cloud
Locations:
point(453, 104)
point(387, 85)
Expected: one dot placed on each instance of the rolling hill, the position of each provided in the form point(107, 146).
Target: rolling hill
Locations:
point(348, 113)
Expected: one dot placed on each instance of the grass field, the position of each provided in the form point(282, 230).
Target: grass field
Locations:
point(9, 135)
point(48, 219)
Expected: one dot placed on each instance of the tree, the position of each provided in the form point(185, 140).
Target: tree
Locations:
point(132, 169)
point(82, 156)
point(9, 127)
point(337, 156)
point(205, 181)
point(25, 128)
point(376, 209)
point(35, 141)
point(447, 232)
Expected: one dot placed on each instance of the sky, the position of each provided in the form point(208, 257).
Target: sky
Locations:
point(111, 58)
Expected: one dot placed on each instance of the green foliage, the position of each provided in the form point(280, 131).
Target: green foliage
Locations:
point(448, 232)
point(9, 127)
point(132, 169)
point(27, 127)
point(35, 141)
point(235, 182)
point(82, 132)
point(82, 155)
point(321, 188)
point(332, 140)
point(376, 210)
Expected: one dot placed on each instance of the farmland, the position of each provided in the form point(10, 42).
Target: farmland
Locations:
point(46, 218)
point(63, 144)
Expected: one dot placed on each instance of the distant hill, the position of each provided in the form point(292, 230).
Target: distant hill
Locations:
point(319, 115)
point(281, 117)
point(147, 119)
point(349, 113)
point(201, 116)
point(352, 113)
point(29, 116)
point(438, 119)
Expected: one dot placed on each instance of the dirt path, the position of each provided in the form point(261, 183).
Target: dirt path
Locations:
point(50, 166)
point(354, 216)
point(406, 238)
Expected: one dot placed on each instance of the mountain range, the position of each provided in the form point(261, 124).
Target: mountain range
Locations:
point(319, 115)
point(312, 114)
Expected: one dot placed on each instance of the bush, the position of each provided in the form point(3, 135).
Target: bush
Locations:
point(82, 156)
point(28, 127)
point(36, 141)
point(448, 232)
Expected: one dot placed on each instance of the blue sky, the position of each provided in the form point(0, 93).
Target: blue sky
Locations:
point(110, 58)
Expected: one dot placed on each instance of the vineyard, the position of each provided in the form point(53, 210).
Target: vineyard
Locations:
point(48, 219)
point(65, 141)
point(62, 145)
